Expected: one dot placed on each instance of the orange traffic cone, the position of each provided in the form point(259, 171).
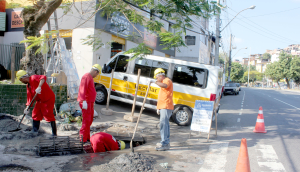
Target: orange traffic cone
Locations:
point(260, 123)
point(243, 163)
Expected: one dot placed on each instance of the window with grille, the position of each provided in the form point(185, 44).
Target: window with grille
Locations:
point(190, 40)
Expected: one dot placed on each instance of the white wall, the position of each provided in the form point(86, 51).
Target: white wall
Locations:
point(82, 54)
point(102, 55)
point(129, 45)
point(203, 53)
point(13, 37)
point(190, 50)
point(274, 58)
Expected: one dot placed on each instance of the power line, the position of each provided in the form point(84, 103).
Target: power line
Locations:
point(266, 30)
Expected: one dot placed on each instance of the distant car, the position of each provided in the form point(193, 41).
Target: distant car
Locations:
point(238, 85)
point(231, 88)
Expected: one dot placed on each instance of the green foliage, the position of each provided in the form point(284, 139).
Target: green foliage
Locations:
point(14, 5)
point(237, 72)
point(40, 42)
point(139, 52)
point(266, 56)
point(273, 72)
point(253, 76)
point(170, 40)
point(295, 69)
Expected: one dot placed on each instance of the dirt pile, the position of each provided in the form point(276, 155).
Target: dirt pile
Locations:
point(132, 162)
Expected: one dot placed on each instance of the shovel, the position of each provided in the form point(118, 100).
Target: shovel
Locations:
point(137, 123)
point(18, 127)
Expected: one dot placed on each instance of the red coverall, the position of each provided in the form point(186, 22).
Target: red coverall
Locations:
point(44, 102)
point(87, 92)
point(102, 142)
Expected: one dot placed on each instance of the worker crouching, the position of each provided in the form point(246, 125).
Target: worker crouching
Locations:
point(102, 142)
point(45, 99)
point(86, 98)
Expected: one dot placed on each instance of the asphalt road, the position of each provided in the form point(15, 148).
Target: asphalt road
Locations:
point(278, 149)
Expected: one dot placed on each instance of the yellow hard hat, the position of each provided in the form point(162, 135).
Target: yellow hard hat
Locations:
point(122, 145)
point(158, 71)
point(97, 67)
point(20, 73)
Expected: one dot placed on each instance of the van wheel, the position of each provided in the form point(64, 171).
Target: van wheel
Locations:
point(101, 96)
point(182, 116)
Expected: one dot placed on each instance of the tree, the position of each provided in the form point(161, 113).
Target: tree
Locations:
point(236, 72)
point(285, 67)
point(34, 18)
point(177, 11)
point(295, 69)
point(253, 76)
point(273, 72)
point(266, 56)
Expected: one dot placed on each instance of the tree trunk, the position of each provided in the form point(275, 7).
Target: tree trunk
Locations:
point(278, 85)
point(288, 84)
point(34, 19)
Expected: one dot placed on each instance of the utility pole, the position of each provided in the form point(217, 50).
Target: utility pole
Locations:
point(249, 67)
point(217, 38)
point(229, 60)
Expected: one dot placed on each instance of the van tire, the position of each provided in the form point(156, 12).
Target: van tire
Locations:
point(186, 118)
point(101, 97)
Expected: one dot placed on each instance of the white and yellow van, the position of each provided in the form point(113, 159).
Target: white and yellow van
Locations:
point(191, 81)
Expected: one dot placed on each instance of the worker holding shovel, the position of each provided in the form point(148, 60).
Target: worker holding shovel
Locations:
point(86, 98)
point(45, 99)
point(165, 107)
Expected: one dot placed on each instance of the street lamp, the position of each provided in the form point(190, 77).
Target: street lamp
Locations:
point(239, 50)
point(252, 7)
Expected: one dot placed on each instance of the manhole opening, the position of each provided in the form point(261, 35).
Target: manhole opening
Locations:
point(7, 123)
point(14, 167)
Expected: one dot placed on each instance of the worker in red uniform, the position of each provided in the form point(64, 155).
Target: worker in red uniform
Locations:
point(102, 142)
point(86, 99)
point(45, 99)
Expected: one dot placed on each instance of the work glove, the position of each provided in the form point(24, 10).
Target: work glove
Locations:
point(158, 112)
point(84, 105)
point(38, 90)
point(152, 81)
point(26, 111)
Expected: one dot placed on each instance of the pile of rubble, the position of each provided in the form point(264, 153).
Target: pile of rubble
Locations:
point(130, 162)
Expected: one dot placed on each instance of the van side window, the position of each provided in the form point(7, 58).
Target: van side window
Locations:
point(145, 66)
point(120, 64)
point(158, 64)
point(148, 67)
point(191, 76)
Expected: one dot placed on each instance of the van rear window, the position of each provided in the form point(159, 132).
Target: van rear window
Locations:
point(148, 67)
point(190, 76)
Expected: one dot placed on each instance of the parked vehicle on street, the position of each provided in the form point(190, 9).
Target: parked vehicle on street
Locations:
point(191, 81)
point(238, 85)
point(231, 88)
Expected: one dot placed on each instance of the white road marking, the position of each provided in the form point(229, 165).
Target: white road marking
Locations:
point(240, 113)
point(241, 108)
point(217, 153)
point(287, 104)
point(267, 159)
point(239, 120)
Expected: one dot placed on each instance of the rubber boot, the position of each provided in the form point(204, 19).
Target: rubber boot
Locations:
point(35, 128)
point(53, 126)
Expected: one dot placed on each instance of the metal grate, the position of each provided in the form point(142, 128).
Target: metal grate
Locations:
point(60, 145)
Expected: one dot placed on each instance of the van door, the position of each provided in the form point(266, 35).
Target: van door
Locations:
point(147, 67)
point(119, 84)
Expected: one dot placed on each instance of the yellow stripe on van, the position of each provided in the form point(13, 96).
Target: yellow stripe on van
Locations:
point(129, 87)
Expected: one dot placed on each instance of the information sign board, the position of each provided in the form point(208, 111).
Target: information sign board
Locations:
point(202, 116)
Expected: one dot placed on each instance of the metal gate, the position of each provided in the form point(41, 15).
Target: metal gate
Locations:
point(5, 55)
